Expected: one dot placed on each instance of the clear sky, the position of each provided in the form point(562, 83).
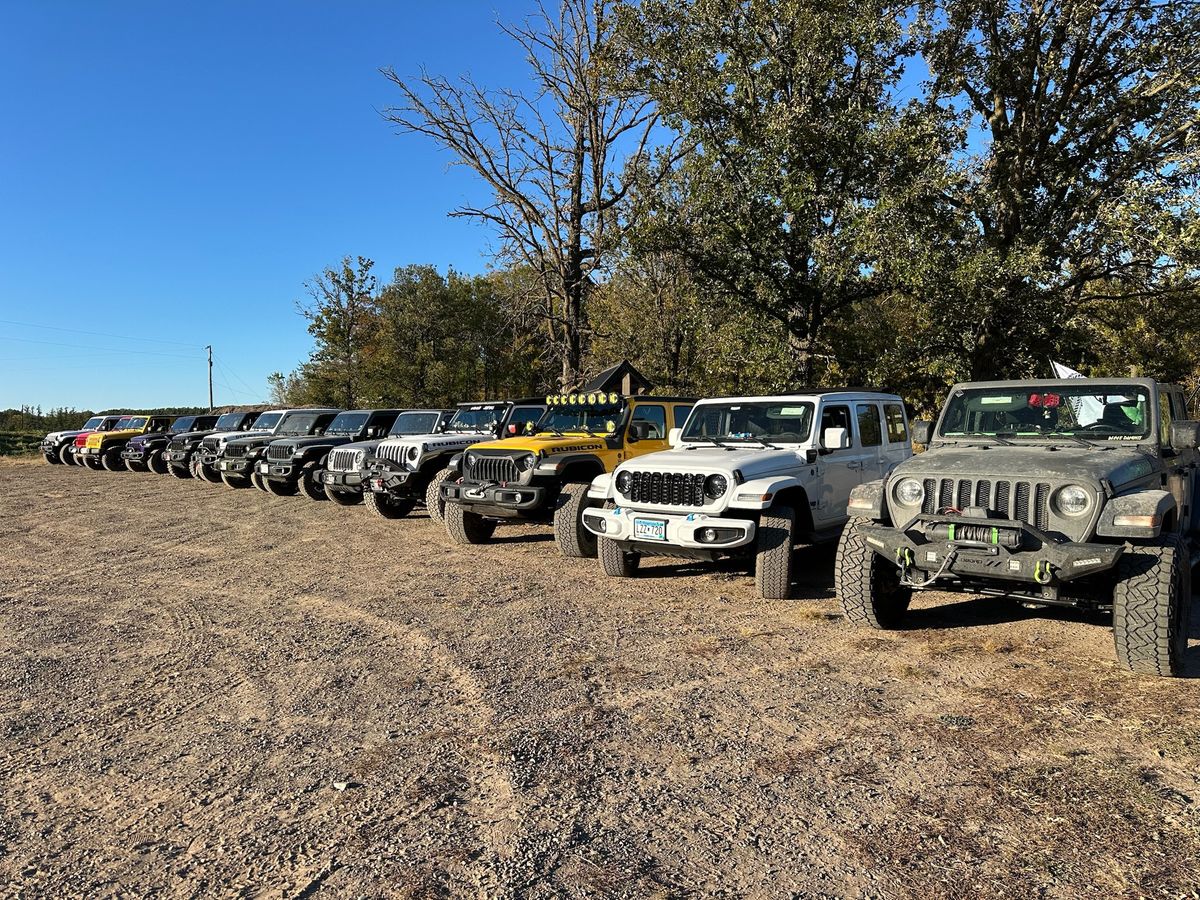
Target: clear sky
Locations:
point(176, 172)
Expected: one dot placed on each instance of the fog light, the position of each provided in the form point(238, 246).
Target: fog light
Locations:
point(708, 535)
point(601, 524)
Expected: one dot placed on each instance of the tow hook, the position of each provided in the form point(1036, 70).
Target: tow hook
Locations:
point(1043, 571)
point(904, 559)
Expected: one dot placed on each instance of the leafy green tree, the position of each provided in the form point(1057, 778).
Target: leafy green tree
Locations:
point(341, 316)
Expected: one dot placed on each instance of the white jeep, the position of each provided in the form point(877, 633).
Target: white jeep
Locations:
point(749, 476)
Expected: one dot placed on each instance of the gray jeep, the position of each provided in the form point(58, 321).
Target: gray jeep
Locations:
point(1066, 492)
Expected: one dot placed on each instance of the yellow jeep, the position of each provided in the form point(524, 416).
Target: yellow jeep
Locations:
point(103, 448)
point(543, 475)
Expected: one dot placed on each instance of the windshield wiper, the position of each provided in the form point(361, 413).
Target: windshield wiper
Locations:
point(1002, 439)
point(1074, 437)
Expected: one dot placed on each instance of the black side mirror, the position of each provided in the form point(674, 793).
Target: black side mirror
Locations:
point(1185, 435)
point(922, 432)
point(639, 431)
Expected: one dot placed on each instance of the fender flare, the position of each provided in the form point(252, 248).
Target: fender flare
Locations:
point(556, 463)
point(601, 487)
point(1152, 507)
point(759, 493)
point(868, 500)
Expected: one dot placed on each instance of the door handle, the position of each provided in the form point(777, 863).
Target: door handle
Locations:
point(854, 465)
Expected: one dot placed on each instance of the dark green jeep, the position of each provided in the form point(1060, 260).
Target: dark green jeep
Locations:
point(1075, 492)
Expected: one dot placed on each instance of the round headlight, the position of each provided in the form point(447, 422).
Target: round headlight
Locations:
point(909, 492)
point(715, 486)
point(360, 456)
point(414, 451)
point(526, 462)
point(1072, 500)
point(624, 481)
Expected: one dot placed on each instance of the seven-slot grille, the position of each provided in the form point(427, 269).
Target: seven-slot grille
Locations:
point(1024, 501)
point(393, 452)
point(234, 451)
point(673, 488)
point(210, 444)
point(342, 460)
point(279, 451)
point(486, 469)
point(177, 445)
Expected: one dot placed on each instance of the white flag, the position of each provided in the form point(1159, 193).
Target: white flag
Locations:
point(1087, 409)
point(1061, 371)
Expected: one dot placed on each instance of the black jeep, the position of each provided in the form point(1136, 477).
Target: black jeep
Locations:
point(182, 447)
point(237, 460)
point(1073, 492)
point(146, 452)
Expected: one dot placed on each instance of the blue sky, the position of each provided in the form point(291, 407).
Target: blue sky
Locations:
point(175, 173)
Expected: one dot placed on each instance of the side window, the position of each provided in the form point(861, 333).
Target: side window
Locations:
point(870, 429)
point(680, 414)
point(656, 416)
point(897, 430)
point(1178, 406)
point(837, 417)
point(1164, 418)
point(525, 418)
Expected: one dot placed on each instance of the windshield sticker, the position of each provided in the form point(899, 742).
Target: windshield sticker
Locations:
point(986, 401)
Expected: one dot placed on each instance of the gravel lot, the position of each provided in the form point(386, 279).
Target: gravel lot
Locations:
point(210, 692)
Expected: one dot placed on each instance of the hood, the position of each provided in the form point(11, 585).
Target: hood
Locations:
point(316, 440)
point(544, 444)
point(193, 435)
point(444, 439)
point(1114, 462)
point(246, 439)
point(96, 438)
point(63, 435)
point(752, 462)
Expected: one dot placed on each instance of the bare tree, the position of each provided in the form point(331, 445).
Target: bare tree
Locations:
point(560, 159)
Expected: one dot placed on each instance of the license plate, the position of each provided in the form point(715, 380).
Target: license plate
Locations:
point(329, 479)
point(650, 529)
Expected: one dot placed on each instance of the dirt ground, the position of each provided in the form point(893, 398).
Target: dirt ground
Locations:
point(210, 692)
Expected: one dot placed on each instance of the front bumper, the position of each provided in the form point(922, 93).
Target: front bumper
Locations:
point(386, 480)
point(177, 456)
point(496, 498)
point(88, 451)
point(134, 454)
point(342, 480)
point(676, 529)
point(1008, 551)
point(239, 465)
point(49, 447)
point(278, 471)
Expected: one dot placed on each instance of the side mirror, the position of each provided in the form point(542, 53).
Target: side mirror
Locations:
point(922, 432)
point(835, 439)
point(675, 437)
point(639, 431)
point(1185, 435)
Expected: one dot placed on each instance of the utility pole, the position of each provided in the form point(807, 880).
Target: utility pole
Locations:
point(210, 403)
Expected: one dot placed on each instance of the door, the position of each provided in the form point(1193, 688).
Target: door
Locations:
point(869, 423)
point(838, 471)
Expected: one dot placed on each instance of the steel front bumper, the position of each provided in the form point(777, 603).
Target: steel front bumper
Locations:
point(88, 451)
point(344, 480)
point(177, 456)
point(235, 466)
point(500, 497)
point(278, 471)
point(1009, 551)
point(135, 455)
point(678, 530)
point(384, 480)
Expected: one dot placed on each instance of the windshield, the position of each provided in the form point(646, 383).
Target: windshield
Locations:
point(772, 421)
point(476, 419)
point(415, 423)
point(302, 423)
point(92, 423)
point(1098, 412)
point(266, 421)
point(183, 423)
point(122, 423)
point(348, 423)
point(110, 423)
point(135, 422)
point(230, 421)
point(588, 419)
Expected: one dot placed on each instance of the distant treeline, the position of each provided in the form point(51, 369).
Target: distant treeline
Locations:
point(34, 419)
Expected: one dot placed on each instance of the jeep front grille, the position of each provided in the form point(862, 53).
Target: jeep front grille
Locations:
point(177, 445)
point(235, 451)
point(487, 469)
point(673, 488)
point(343, 460)
point(1023, 501)
point(392, 452)
point(279, 451)
point(210, 444)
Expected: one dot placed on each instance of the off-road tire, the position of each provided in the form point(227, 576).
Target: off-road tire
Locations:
point(179, 472)
point(466, 527)
point(573, 539)
point(386, 507)
point(133, 466)
point(868, 585)
point(155, 462)
point(204, 473)
point(112, 462)
point(617, 562)
point(308, 484)
point(434, 504)
point(1152, 604)
point(277, 488)
point(52, 458)
point(90, 462)
point(774, 551)
point(235, 481)
point(344, 498)
point(65, 456)
point(257, 480)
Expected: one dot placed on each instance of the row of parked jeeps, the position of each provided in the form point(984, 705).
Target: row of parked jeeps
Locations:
point(1067, 492)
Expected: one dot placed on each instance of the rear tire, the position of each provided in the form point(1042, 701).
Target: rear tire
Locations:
point(434, 504)
point(308, 484)
point(616, 561)
point(1152, 606)
point(344, 498)
point(279, 488)
point(775, 549)
point(112, 462)
point(466, 527)
point(65, 456)
point(868, 585)
point(155, 462)
point(387, 507)
point(573, 539)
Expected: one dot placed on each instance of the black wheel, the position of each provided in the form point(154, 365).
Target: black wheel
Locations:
point(132, 466)
point(111, 460)
point(1152, 606)
point(466, 527)
point(309, 486)
point(256, 479)
point(616, 561)
point(387, 507)
point(52, 458)
point(572, 537)
point(179, 472)
point(774, 551)
point(434, 504)
point(344, 498)
point(280, 488)
point(205, 473)
point(90, 462)
point(867, 584)
point(235, 481)
point(65, 456)
point(155, 462)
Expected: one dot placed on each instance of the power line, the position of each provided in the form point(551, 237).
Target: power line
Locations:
point(123, 337)
point(91, 347)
